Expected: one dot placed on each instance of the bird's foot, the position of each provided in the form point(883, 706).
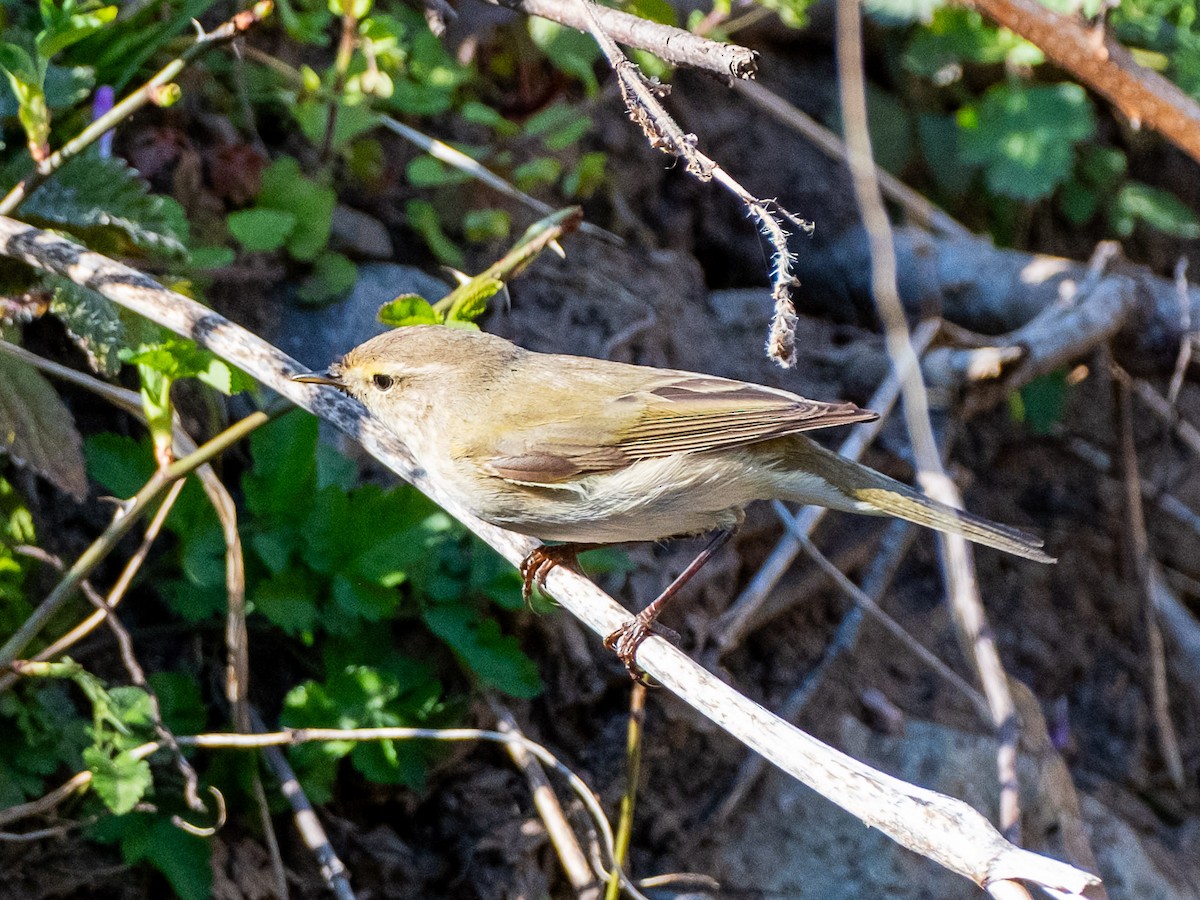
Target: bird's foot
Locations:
point(625, 642)
point(537, 565)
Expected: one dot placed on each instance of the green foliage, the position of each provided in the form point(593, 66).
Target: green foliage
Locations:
point(291, 211)
point(16, 528)
point(1040, 404)
point(26, 67)
point(1024, 136)
point(108, 206)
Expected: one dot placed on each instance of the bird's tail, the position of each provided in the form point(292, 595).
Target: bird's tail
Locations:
point(873, 493)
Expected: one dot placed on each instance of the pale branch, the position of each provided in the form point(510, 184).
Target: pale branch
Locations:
point(670, 44)
point(1093, 57)
point(941, 828)
point(1041, 310)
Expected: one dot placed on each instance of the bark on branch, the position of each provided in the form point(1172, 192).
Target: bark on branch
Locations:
point(670, 44)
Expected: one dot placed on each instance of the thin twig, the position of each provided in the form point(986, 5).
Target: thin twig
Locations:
point(957, 562)
point(868, 605)
point(916, 205)
point(312, 832)
point(566, 846)
point(126, 517)
point(896, 540)
point(642, 103)
point(941, 828)
point(439, 150)
point(237, 25)
point(634, 737)
point(1160, 704)
point(1188, 343)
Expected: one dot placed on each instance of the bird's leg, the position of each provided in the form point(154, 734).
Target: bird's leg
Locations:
point(626, 639)
point(537, 565)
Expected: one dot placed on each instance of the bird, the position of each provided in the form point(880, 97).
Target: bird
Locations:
point(589, 452)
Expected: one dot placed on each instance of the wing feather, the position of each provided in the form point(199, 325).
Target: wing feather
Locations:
point(682, 413)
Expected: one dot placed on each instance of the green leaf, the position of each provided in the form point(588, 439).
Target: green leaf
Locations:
point(179, 699)
point(569, 51)
point(288, 600)
point(261, 230)
point(37, 430)
point(586, 178)
point(495, 658)
point(1040, 404)
point(352, 121)
point(487, 224)
point(1138, 202)
point(423, 219)
point(284, 188)
point(959, 35)
point(333, 277)
point(543, 170)
point(108, 205)
point(408, 309)
point(183, 858)
point(1024, 137)
point(120, 781)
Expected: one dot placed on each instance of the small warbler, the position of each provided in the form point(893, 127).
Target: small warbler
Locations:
point(591, 452)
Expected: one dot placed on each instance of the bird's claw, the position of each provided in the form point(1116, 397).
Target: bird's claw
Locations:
point(625, 642)
point(537, 565)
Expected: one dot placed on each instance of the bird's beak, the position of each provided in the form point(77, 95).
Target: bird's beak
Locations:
point(320, 378)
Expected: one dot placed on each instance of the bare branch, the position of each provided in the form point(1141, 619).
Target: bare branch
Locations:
point(670, 44)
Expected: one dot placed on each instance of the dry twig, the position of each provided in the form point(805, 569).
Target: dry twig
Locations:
point(957, 562)
point(642, 103)
point(670, 44)
point(1168, 742)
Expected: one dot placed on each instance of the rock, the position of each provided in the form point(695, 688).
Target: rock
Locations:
point(796, 844)
point(318, 336)
point(358, 234)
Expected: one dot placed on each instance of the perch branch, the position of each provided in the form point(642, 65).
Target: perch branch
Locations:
point(941, 828)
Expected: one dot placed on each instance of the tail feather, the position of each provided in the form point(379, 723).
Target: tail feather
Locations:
point(911, 506)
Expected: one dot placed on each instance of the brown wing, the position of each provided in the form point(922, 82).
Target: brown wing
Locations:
point(682, 413)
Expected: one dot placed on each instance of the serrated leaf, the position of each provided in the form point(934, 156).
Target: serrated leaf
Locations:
point(37, 430)
point(120, 781)
point(103, 198)
point(91, 320)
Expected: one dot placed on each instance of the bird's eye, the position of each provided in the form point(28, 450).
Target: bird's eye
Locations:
point(383, 382)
